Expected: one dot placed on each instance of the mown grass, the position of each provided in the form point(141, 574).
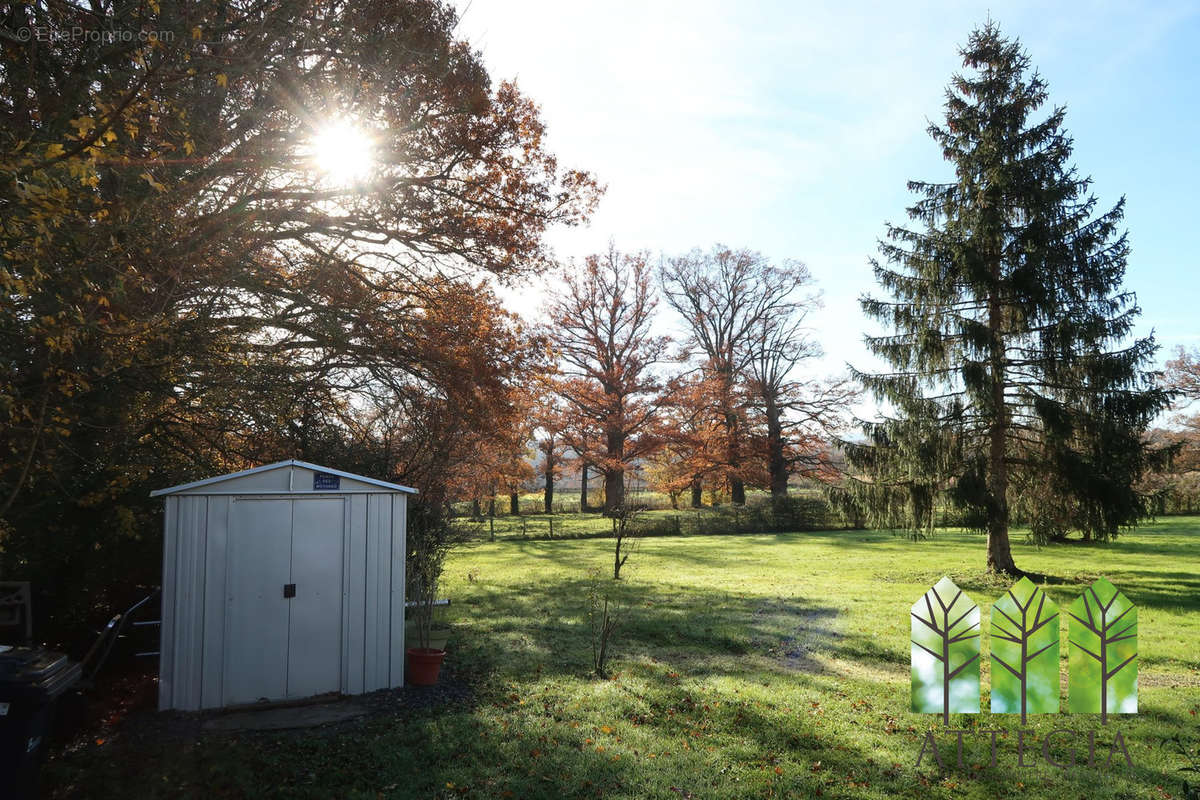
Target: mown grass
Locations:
point(747, 666)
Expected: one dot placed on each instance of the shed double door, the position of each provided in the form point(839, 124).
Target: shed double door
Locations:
point(284, 615)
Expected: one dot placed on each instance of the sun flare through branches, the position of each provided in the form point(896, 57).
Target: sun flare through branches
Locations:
point(343, 153)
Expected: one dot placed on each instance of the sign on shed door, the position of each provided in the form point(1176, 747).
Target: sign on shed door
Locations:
point(284, 614)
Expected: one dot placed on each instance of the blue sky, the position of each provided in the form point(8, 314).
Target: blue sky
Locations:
point(792, 128)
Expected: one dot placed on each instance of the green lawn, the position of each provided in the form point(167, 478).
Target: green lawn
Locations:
point(748, 666)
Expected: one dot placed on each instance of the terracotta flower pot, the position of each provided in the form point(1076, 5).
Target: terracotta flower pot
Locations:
point(424, 663)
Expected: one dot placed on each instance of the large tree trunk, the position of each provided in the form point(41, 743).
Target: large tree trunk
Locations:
point(697, 493)
point(614, 489)
point(776, 463)
point(583, 487)
point(999, 552)
point(733, 455)
point(549, 497)
point(737, 490)
point(476, 512)
point(614, 477)
point(514, 504)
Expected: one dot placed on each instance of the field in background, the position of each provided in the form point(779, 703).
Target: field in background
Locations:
point(749, 666)
point(800, 514)
point(567, 501)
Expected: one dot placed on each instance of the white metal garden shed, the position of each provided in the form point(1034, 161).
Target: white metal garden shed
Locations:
point(281, 582)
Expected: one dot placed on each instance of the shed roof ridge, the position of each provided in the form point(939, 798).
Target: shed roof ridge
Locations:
point(291, 462)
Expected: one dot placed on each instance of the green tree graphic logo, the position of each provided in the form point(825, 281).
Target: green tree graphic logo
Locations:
point(1103, 653)
point(1025, 637)
point(1024, 640)
point(945, 652)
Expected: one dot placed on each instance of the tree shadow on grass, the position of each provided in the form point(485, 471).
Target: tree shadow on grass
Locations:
point(654, 744)
point(547, 626)
point(1144, 588)
point(540, 739)
point(1152, 588)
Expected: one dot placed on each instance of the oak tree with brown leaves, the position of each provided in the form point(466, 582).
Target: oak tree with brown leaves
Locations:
point(601, 327)
point(550, 423)
point(693, 441)
point(1183, 374)
point(800, 412)
point(736, 305)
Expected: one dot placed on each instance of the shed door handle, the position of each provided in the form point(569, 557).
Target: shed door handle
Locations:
point(289, 590)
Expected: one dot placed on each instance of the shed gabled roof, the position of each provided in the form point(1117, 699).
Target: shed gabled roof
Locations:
point(235, 478)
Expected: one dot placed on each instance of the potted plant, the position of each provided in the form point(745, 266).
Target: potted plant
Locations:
point(439, 630)
point(430, 538)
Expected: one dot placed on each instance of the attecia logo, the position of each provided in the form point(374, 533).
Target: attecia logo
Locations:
point(1025, 644)
point(1024, 641)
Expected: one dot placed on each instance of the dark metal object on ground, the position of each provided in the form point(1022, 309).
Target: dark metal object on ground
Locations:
point(102, 648)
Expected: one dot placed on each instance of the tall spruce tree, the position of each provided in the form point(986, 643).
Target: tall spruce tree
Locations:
point(1015, 388)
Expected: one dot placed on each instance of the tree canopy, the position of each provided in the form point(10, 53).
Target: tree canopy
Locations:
point(182, 292)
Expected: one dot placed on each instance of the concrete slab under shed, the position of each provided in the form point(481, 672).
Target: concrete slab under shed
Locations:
point(278, 719)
